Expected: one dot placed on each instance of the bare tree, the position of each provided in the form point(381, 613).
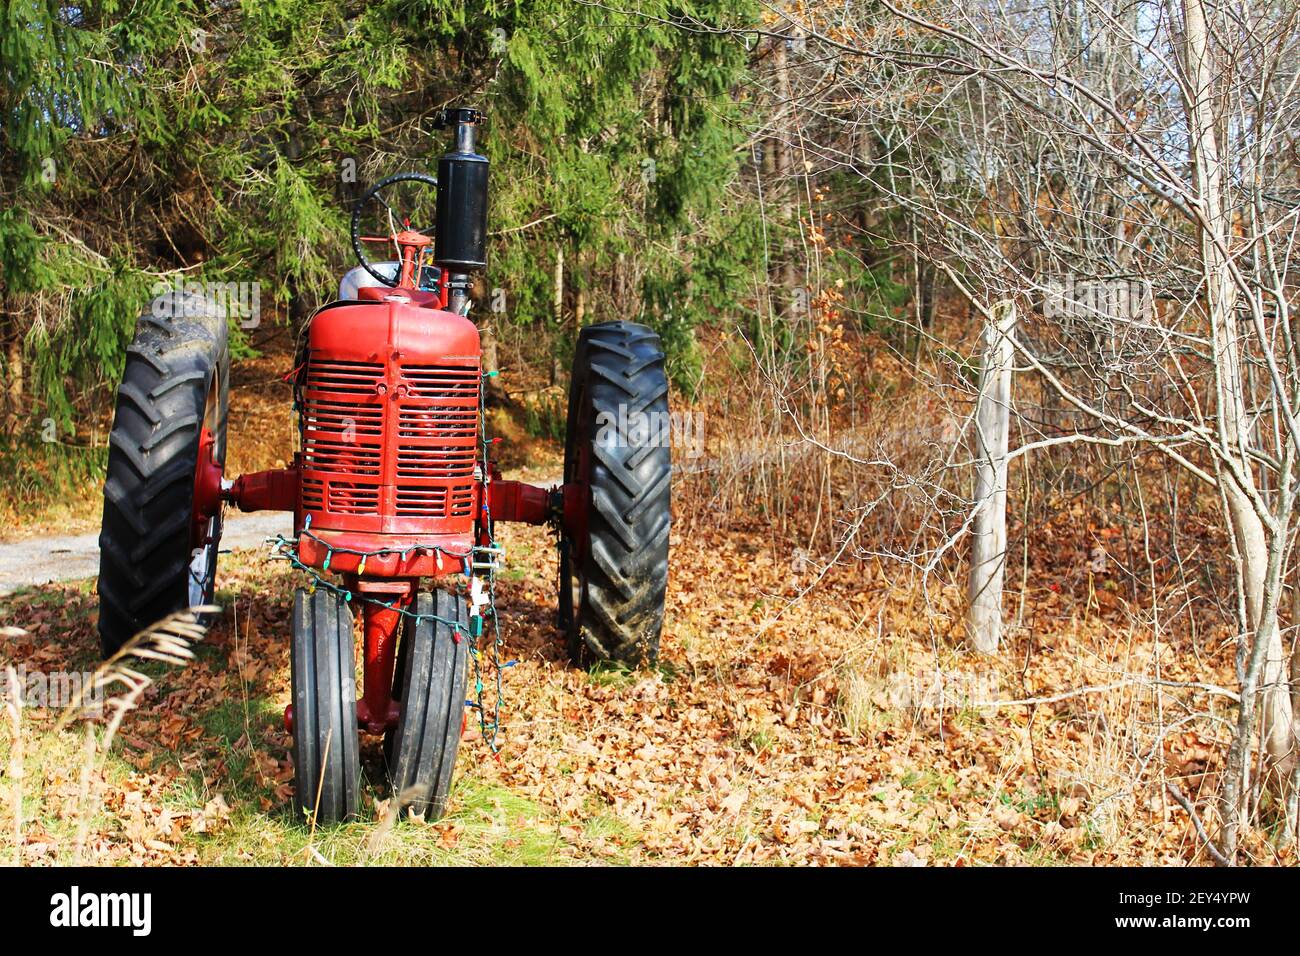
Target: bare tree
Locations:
point(992, 433)
point(1126, 172)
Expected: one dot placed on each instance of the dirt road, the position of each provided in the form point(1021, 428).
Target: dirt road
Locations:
point(40, 560)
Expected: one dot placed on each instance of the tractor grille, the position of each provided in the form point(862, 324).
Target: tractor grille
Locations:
point(422, 421)
point(351, 498)
point(336, 376)
point(434, 461)
point(343, 438)
point(421, 501)
point(442, 381)
point(437, 427)
point(313, 493)
point(366, 454)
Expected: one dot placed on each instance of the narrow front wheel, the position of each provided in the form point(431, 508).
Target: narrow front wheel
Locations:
point(434, 658)
point(326, 761)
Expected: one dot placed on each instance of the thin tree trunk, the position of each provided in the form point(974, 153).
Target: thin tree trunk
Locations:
point(13, 363)
point(557, 306)
point(785, 186)
point(620, 286)
point(487, 318)
point(15, 369)
point(992, 434)
point(579, 294)
point(1258, 550)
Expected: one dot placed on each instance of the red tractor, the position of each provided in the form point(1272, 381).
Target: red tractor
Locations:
point(393, 492)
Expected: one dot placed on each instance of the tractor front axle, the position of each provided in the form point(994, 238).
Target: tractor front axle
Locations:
point(278, 490)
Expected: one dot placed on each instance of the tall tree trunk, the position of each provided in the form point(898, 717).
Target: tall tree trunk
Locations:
point(493, 387)
point(557, 306)
point(12, 336)
point(785, 183)
point(992, 434)
point(579, 294)
point(620, 286)
point(14, 368)
point(1258, 550)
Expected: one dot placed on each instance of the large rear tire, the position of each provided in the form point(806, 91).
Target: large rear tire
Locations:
point(433, 660)
point(154, 560)
point(326, 750)
point(614, 567)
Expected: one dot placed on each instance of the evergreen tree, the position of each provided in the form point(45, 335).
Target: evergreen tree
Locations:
point(225, 142)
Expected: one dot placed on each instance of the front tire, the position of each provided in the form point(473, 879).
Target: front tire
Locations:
point(326, 750)
point(154, 560)
point(433, 663)
point(614, 568)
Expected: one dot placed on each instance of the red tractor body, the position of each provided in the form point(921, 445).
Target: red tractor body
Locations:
point(389, 410)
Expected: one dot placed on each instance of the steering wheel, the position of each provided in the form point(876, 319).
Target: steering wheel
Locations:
point(410, 243)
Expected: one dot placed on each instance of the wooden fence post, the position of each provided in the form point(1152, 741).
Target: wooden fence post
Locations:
point(992, 432)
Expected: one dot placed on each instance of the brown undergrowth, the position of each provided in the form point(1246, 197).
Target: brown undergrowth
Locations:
point(845, 726)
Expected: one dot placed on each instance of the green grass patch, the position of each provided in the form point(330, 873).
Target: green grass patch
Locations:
point(485, 826)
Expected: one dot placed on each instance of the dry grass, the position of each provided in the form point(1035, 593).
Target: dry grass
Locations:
point(14, 713)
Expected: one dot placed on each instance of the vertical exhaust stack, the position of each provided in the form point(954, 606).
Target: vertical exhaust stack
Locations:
point(460, 237)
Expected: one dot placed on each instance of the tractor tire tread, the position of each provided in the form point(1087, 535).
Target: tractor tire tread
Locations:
point(326, 758)
point(148, 489)
point(626, 572)
point(434, 669)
